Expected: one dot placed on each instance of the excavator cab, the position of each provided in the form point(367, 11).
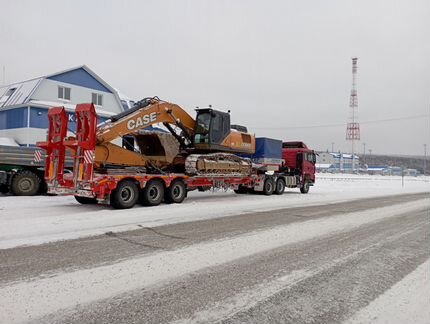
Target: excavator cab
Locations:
point(212, 126)
point(213, 133)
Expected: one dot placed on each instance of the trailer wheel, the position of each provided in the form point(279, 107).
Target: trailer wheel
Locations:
point(176, 192)
point(86, 200)
point(25, 183)
point(304, 189)
point(152, 194)
point(268, 187)
point(125, 195)
point(280, 187)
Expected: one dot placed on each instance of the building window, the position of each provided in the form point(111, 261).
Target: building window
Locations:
point(64, 93)
point(10, 92)
point(97, 99)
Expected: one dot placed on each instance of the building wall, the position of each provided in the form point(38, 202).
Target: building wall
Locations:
point(325, 158)
point(48, 91)
point(13, 118)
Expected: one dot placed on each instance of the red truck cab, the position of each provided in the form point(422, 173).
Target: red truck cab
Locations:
point(299, 161)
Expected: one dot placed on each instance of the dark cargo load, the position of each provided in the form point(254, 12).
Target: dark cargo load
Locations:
point(268, 148)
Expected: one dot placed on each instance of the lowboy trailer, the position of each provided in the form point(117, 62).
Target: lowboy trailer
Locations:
point(124, 186)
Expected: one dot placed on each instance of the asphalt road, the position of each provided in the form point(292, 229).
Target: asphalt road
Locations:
point(322, 279)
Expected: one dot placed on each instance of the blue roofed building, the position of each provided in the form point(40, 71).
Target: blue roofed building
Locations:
point(24, 105)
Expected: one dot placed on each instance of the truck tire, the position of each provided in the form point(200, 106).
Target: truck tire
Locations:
point(304, 189)
point(25, 183)
point(152, 194)
point(241, 190)
point(86, 200)
point(279, 187)
point(176, 193)
point(125, 195)
point(268, 187)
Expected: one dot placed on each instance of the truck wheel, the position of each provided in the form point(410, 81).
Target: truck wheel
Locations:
point(86, 200)
point(25, 183)
point(152, 194)
point(268, 187)
point(241, 190)
point(280, 187)
point(125, 195)
point(304, 189)
point(175, 193)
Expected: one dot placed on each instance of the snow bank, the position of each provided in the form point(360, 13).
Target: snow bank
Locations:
point(7, 141)
point(35, 220)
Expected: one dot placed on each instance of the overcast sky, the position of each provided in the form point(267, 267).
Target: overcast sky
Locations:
point(282, 67)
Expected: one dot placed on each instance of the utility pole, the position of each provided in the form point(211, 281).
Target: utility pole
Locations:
point(364, 153)
point(332, 146)
point(425, 158)
point(370, 151)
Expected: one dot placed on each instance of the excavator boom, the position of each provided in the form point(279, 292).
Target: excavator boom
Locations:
point(150, 111)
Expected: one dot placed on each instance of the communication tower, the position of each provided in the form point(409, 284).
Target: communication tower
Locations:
point(353, 126)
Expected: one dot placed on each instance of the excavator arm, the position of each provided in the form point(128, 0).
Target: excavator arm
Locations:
point(150, 111)
point(147, 112)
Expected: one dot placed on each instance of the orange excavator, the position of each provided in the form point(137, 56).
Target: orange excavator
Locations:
point(207, 144)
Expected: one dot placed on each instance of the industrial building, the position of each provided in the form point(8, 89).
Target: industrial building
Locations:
point(24, 105)
point(336, 162)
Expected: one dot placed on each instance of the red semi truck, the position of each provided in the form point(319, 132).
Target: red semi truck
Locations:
point(299, 161)
point(275, 166)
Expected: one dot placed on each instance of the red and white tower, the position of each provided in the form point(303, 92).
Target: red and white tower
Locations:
point(353, 126)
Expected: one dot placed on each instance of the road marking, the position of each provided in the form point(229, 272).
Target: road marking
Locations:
point(408, 301)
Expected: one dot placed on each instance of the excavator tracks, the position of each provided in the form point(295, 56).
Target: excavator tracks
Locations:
point(217, 164)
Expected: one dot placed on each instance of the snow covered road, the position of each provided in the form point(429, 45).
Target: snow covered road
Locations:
point(327, 257)
point(36, 220)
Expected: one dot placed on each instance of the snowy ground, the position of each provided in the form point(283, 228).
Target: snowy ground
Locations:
point(365, 261)
point(89, 285)
point(35, 220)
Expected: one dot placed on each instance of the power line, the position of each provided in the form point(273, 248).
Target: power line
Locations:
point(343, 125)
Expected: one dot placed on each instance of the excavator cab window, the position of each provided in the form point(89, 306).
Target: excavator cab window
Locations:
point(202, 127)
point(212, 126)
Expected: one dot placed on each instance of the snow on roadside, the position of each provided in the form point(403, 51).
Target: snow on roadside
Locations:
point(408, 301)
point(36, 220)
point(66, 290)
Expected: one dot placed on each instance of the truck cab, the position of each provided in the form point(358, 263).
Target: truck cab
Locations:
point(299, 161)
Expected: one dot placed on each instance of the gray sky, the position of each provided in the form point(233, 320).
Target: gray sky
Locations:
point(281, 67)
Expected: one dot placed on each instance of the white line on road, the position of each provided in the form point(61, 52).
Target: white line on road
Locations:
point(408, 301)
point(252, 296)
